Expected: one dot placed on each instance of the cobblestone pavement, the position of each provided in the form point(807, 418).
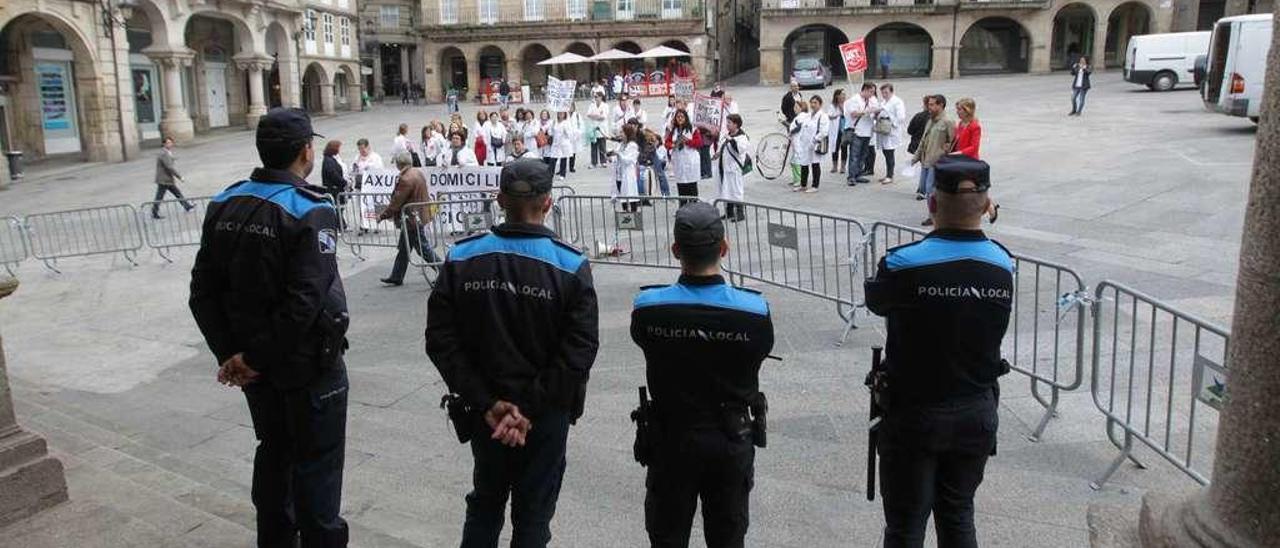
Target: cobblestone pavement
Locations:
point(1146, 188)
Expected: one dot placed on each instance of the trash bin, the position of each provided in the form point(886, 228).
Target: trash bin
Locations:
point(15, 164)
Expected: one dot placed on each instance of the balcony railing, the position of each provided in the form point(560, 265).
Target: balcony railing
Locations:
point(504, 12)
point(881, 4)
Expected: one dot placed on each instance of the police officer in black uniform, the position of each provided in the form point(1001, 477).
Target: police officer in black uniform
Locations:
point(512, 327)
point(266, 294)
point(703, 342)
point(946, 300)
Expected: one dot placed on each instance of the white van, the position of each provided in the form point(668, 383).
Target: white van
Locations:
point(1162, 61)
point(1237, 65)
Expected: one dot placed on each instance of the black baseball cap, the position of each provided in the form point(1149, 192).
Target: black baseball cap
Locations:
point(953, 169)
point(698, 224)
point(285, 125)
point(525, 178)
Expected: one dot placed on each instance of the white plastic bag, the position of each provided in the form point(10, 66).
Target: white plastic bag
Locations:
point(910, 171)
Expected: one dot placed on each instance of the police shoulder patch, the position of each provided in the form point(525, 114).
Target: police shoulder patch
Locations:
point(328, 241)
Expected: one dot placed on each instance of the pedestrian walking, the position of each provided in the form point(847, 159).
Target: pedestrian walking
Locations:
point(504, 93)
point(268, 299)
point(411, 188)
point(791, 101)
point(938, 140)
point(404, 93)
point(835, 130)
point(886, 60)
point(733, 163)
point(167, 178)
point(1080, 73)
point(682, 141)
point(861, 110)
point(451, 101)
point(598, 130)
point(969, 141)
point(811, 132)
point(517, 362)
point(700, 434)
point(946, 300)
point(889, 128)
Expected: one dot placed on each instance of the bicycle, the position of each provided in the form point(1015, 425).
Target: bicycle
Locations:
point(773, 151)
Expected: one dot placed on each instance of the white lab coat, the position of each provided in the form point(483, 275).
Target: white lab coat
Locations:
point(528, 132)
point(433, 146)
point(895, 110)
point(562, 139)
point(619, 119)
point(401, 144)
point(466, 157)
point(812, 127)
point(732, 183)
point(861, 124)
point(495, 130)
point(624, 170)
point(686, 166)
point(578, 128)
point(548, 126)
point(600, 110)
point(835, 121)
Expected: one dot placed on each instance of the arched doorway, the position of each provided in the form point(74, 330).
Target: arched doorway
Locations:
point(343, 96)
point(492, 63)
point(454, 65)
point(898, 50)
point(533, 72)
point(55, 78)
point(994, 45)
point(311, 81)
point(216, 40)
point(820, 42)
point(1126, 21)
point(144, 77)
point(1072, 35)
point(582, 72)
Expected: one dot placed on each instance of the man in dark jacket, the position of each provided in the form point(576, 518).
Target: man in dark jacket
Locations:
point(512, 327)
point(789, 101)
point(915, 128)
point(167, 178)
point(1080, 73)
point(267, 297)
point(411, 188)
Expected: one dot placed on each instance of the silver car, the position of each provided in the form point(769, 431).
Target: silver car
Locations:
point(811, 73)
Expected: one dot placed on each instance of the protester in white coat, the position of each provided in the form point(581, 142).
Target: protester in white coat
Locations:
point(683, 141)
point(457, 154)
point(527, 129)
point(547, 126)
point(810, 134)
point(895, 111)
point(625, 169)
point(496, 138)
point(733, 159)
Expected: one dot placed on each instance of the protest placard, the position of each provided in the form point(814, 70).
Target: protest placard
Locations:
point(682, 88)
point(560, 94)
point(854, 55)
point(708, 112)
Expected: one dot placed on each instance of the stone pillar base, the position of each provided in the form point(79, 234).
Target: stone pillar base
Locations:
point(1173, 522)
point(182, 129)
point(251, 117)
point(30, 479)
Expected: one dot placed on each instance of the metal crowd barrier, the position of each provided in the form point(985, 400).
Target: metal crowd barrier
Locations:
point(1046, 336)
point(440, 224)
point(13, 243)
point(635, 232)
point(813, 253)
point(82, 232)
point(1159, 374)
point(358, 218)
point(178, 227)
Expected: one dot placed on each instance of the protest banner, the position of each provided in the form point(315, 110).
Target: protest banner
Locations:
point(560, 94)
point(682, 88)
point(375, 193)
point(708, 112)
point(854, 55)
point(443, 184)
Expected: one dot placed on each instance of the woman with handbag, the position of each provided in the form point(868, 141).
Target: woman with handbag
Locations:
point(838, 146)
point(496, 133)
point(546, 130)
point(888, 128)
point(810, 134)
point(733, 163)
point(528, 129)
point(683, 141)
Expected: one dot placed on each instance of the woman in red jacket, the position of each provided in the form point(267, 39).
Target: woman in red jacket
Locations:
point(969, 140)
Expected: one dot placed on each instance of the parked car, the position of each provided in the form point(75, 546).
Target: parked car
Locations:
point(1162, 61)
point(1238, 65)
point(811, 73)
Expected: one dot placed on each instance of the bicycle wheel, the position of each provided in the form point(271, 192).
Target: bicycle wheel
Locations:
point(771, 155)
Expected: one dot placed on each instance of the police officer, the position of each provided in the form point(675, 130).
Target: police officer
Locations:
point(266, 294)
point(946, 300)
point(703, 343)
point(512, 327)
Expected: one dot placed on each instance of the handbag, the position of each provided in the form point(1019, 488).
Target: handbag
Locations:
point(417, 162)
point(542, 139)
point(823, 144)
point(883, 126)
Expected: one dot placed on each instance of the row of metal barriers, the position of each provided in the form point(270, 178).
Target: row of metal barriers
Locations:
point(1157, 374)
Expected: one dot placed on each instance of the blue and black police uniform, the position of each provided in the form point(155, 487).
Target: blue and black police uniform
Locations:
point(512, 317)
point(703, 342)
point(265, 285)
point(946, 300)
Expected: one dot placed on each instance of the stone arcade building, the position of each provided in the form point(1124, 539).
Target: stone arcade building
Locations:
point(95, 80)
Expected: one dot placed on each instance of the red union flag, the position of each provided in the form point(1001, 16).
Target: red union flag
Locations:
point(855, 56)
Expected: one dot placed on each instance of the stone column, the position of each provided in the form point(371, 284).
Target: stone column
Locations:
point(1098, 59)
point(326, 98)
point(431, 77)
point(473, 77)
point(515, 72)
point(406, 72)
point(255, 67)
point(175, 120)
point(771, 66)
point(1239, 507)
point(30, 479)
point(942, 56)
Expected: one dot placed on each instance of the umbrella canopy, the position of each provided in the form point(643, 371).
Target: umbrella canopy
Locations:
point(614, 55)
point(567, 58)
point(663, 51)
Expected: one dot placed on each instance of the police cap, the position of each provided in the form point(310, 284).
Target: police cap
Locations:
point(285, 125)
point(698, 224)
point(953, 169)
point(525, 178)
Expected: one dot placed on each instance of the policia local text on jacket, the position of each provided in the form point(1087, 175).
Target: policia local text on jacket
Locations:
point(513, 318)
point(265, 286)
point(946, 300)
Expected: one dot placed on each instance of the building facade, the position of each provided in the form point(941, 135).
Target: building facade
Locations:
point(97, 80)
point(389, 46)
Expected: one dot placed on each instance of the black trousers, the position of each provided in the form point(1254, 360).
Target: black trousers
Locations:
point(932, 461)
point(890, 163)
point(172, 189)
point(529, 475)
point(297, 470)
point(815, 170)
point(598, 149)
point(704, 158)
point(410, 241)
point(869, 160)
point(700, 464)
